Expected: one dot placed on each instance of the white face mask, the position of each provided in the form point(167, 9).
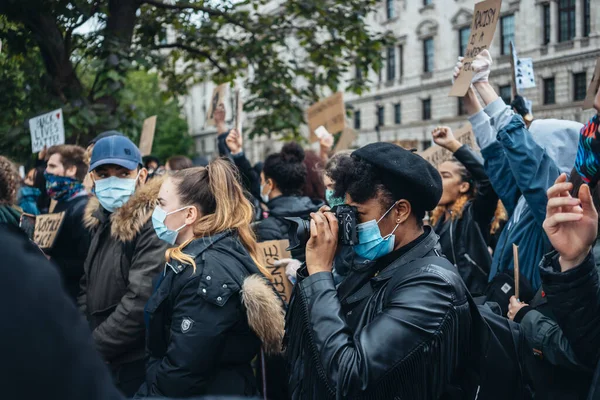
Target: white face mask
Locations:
point(264, 197)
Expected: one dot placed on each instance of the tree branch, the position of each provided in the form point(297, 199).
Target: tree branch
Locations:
point(188, 6)
point(194, 51)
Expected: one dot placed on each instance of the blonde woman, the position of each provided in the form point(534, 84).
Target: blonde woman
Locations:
point(213, 307)
point(463, 216)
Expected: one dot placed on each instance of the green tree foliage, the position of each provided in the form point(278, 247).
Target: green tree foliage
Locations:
point(288, 53)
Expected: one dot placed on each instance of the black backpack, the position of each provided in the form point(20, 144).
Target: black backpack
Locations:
point(495, 369)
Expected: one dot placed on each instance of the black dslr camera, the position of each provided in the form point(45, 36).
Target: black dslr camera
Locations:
point(299, 232)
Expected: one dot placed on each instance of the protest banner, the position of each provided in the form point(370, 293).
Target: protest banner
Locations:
point(593, 88)
point(485, 19)
point(147, 137)
point(330, 113)
point(270, 252)
point(524, 74)
point(46, 229)
point(345, 139)
point(217, 98)
point(47, 130)
point(436, 155)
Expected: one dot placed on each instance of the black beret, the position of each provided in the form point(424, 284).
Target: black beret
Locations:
point(405, 174)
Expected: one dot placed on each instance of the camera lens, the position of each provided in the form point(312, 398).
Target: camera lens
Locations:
point(299, 232)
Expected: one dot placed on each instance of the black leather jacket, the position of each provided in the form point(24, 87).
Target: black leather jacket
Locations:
point(403, 332)
point(465, 240)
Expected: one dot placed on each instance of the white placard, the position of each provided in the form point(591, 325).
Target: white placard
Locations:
point(47, 130)
point(524, 73)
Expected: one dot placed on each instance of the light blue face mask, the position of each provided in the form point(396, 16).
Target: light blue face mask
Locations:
point(113, 192)
point(332, 200)
point(158, 221)
point(371, 245)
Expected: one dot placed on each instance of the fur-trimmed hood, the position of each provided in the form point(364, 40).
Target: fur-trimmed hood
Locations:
point(127, 221)
point(266, 315)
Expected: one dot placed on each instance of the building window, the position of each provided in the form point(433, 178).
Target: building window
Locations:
point(426, 109)
point(391, 63)
point(549, 93)
point(507, 33)
point(461, 106)
point(586, 18)
point(427, 2)
point(380, 116)
point(463, 40)
point(397, 114)
point(506, 93)
point(357, 119)
point(579, 86)
point(380, 70)
point(547, 25)
point(401, 61)
point(428, 55)
point(358, 73)
point(566, 20)
point(391, 11)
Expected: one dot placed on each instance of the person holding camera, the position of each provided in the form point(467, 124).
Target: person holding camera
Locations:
point(400, 326)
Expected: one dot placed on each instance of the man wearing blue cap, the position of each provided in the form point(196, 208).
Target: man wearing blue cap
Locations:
point(124, 256)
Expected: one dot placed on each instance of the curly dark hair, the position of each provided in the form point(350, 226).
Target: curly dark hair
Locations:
point(10, 181)
point(287, 169)
point(362, 181)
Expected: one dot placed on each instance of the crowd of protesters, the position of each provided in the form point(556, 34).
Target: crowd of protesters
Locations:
point(403, 273)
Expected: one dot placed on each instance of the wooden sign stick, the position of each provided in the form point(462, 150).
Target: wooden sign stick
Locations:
point(516, 269)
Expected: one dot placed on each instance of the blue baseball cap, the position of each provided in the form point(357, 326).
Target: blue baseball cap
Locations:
point(118, 150)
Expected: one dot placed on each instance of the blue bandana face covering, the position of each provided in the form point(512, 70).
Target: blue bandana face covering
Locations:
point(113, 192)
point(61, 188)
point(371, 245)
point(158, 221)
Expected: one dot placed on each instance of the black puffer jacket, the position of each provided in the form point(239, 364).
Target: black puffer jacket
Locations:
point(464, 240)
point(400, 328)
point(206, 326)
point(275, 227)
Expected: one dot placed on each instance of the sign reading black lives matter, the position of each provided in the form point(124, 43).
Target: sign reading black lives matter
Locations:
point(485, 19)
point(47, 130)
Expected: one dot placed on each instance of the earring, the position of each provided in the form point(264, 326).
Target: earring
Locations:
point(397, 221)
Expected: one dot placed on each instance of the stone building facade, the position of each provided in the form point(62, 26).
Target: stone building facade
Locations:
point(409, 97)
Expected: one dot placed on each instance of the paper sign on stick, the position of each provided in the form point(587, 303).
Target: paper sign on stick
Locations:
point(516, 269)
point(217, 98)
point(268, 253)
point(485, 19)
point(47, 130)
point(436, 155)
point(347, 137)
point(524, 74)
point(593, 88)
point(330, 113)
point(147, 137)
point(46, 229)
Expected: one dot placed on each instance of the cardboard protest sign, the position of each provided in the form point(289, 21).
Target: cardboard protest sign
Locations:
point(525, 79)
point(345, 140)
point(46, 229)
point(147, 137)
point(485, 19)
point(593, 88)
point(268, 253)
point(217, 98)
point(47, 130)
point(330, 113)
point(436, 155)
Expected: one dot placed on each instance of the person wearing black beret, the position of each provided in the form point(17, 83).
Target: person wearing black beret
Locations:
point(399, 326)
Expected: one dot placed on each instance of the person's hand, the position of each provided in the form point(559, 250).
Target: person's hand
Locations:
point(513, 307)
point(235, 142)
point(42, 154)
point(482, 66)
point(443, 136)
point(571, 223)
point(322, 245)
point(457, 69)
point(291, 267)
point(219, 114)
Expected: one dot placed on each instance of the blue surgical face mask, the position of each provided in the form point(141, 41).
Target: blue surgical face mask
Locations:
point(162, 231)
point(371, 245)
point(113, 192)
point(332, 200)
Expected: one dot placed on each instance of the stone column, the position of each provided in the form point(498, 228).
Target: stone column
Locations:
point(578, 19)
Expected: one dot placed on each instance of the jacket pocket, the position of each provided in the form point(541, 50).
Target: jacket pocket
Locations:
point(99, 316)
